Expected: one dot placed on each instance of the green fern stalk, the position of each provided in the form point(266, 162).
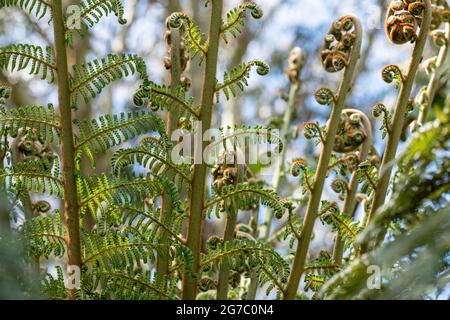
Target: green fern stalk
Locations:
point(71, 206)
point(350, 199)
point(398, 119)
point(322, 166)
point(195, 223)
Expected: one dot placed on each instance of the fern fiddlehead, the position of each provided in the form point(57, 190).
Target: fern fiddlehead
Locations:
point(341, 50)
point(350, 197)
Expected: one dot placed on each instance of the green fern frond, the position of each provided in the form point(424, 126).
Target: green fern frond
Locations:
point(93, 10)
point(54, 287)
point(323, 265)
point(343, 224)
point(249, 195)
point(141, 286)
point(43, 119)
point(238, 78)
point(152, 156)
point(243, 137)
point(109, 131)
point(163, 97)
point(196, 41)
point(45, 236)
point(236, 19)
point(31, 176)
point(117, 249)
point(18, 57)
point(40, 7)
point(96, 193)
point(91, 78)
point(135, 217)
point(258, 257)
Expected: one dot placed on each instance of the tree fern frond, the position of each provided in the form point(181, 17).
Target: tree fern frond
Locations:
point(18, 57)
point(43, 119)
point(236, 19)
point(196, 41)
point(92, 77)
point(249, 195)
point(109, 131)
point(140, 286)
point(31, 176)
point(45, 235)
point(163, 97)
point(139, 218)
point(244, 137)
point(152, 156)
point(257, 256)
point(96, 193)
point(40, 7)
point(238, 78)
point(343, 224)
point(93, 10)
point(117, 249)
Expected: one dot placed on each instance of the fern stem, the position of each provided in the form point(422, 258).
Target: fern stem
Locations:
point(195, 224)
point(434, 79)
point(399, 115)
point(279, 170)
point(71, 206)
point(162, 266)
point(224, 272)
point(350, 199)
point(322, 168)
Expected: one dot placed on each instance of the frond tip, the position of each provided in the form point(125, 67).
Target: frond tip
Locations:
point(236, 19)
point(238, 78)
point(196, 41)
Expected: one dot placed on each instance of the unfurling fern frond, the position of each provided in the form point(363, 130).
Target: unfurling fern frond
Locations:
point(109, 131)
point(92, 77)
point(18, 57)
point(45, 236)
point(93, 10)
point(40, 7)
point(238, 78)
point(248, 196)
point(42, 119)
point(341, 223)
point(195, 40)
point(98, 193)
point(236, 19)
point(31, 176)
point(163, 97)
